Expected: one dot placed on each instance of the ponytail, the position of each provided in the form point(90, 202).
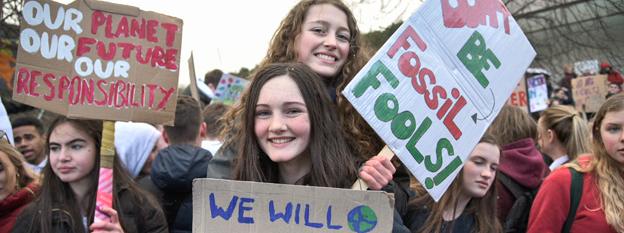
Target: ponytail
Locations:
point(571, 129)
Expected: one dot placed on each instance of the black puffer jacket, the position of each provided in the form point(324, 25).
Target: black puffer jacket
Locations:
point(173, 172)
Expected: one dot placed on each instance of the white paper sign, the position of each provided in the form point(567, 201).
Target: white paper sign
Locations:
point(5, 123)
point(538, 93)
point(435, 86)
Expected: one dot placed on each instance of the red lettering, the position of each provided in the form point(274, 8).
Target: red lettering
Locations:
point(449, 119)
point(152, 88)
point(158, 56)
point(126, 49)
point(87, 91)
point(97, 19)
point(402, 41)
point(101, 102)
point(107, 56)
point(63, 86)
point(472, 16)
point(32, 84)
point(170, 59)
point(137, 29)
point(165, 98)
point(120, 94)
point(74, 91)
point(405, 65)
point(22, 80)
point(48, 78)
point(109, 27)
point(523, 98)
point(151, 30)
point(436, 93)
point(122, 27)
point(83, 45)
point(147, 56)
point(132, 96)
point(112, 92)
point(171, 32)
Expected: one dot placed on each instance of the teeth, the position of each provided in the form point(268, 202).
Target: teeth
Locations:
point(281, 140)
point(326, 57)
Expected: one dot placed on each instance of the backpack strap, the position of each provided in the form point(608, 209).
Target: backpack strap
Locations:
point(515, 189)
point(576, 192)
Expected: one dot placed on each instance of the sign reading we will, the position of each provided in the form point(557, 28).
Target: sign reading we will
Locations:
point(98, 60)
point(590, 92)
point(237, 206)
point(435, 86)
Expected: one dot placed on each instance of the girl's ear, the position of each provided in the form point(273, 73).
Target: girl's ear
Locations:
point(550, 136)
point(165, 136)
point(202, 130)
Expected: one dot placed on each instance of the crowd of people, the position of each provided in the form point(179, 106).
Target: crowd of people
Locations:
point(293, 126)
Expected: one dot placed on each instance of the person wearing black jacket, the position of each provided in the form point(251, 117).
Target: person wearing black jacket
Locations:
point(177, 165)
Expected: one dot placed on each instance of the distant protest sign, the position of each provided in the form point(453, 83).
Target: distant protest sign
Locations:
point(589, 92)
point(519, 96)
point(230, 88)
point(93, 59)
point(538, 93)
point(435, 86)
point(588, 67)
point(225, 206)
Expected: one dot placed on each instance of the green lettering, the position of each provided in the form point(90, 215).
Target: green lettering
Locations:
point(475, 56)
point(383, 110)
point(403, 125)
point(443, 144)
point(411, 144)
point(370, 80)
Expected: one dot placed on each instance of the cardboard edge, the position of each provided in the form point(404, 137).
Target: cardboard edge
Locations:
point(113, 7)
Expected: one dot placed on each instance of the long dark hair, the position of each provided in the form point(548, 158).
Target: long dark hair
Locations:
point(483, 208)
point(332, 163)
point(361, 138)
point(57, 198)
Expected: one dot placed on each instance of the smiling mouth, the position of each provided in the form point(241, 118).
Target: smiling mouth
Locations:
point(281, 140)
point(326, 57)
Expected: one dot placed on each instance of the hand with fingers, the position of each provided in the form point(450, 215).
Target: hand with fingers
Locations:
point(377, 172)
point(107, 227)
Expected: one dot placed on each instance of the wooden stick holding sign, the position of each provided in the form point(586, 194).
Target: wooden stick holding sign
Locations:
point(385, 153)
point(104, 197)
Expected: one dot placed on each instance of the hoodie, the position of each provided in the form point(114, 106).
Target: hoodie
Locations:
point(523, 163)
point(173, 172)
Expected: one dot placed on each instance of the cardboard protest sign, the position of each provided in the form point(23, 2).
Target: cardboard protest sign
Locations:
point(93, 59)
point(230, 88)
point(519, 96)
point(538, 93)
point(5, 123)
point(193, 86)
point(589, 92)
point(435, 86)
point(236, 206)
point(588, 67)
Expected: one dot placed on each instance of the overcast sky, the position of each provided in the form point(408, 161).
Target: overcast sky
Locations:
point(232, 34)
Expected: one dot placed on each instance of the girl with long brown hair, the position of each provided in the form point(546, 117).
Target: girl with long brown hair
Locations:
point(469, 204)
point(67, 199)
point(563, 134)
point(290, 134)
point(323, 35)
point(18, 185)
